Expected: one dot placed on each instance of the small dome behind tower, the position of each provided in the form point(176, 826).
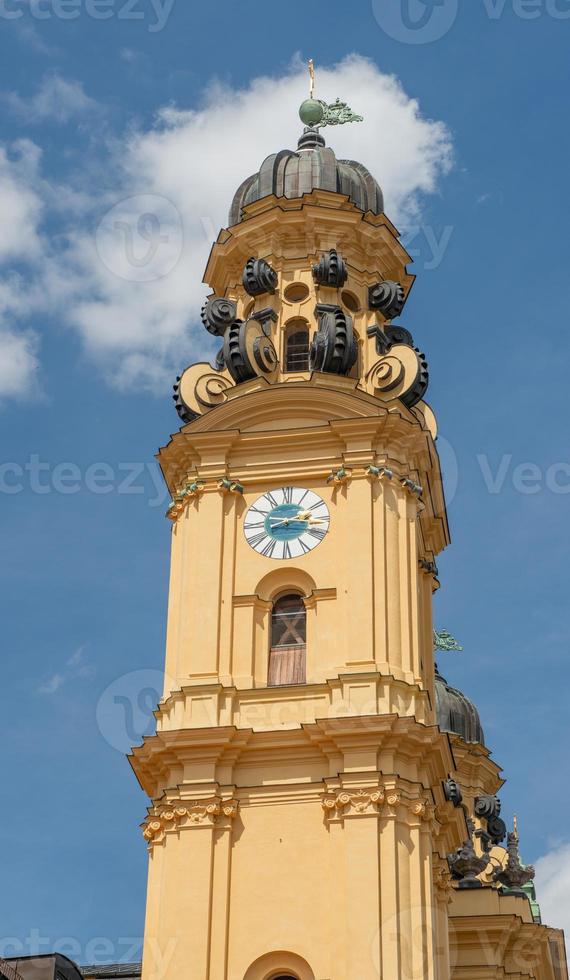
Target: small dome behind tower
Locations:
point(456, 713)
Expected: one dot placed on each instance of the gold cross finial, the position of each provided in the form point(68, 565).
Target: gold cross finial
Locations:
point(312, 78)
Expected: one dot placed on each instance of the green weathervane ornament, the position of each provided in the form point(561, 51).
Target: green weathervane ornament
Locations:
point(316, 113)
point(443, 640)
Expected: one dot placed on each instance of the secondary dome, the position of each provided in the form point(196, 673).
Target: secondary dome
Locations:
point(456, 713)
point(291, 173)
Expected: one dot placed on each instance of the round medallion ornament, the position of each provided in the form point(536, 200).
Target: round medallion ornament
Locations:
point(286, 523)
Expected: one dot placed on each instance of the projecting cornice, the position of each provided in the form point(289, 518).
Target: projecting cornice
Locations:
point(284, 229)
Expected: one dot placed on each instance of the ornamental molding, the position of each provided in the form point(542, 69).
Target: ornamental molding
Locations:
point(182, 815)
point(343, 804)
point(375, 801)
point(442, 881)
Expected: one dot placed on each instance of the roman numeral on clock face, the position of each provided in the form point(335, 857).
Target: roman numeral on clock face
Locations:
point(315, 532)
point(256, 539)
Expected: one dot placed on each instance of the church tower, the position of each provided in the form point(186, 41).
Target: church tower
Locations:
point(304, 798)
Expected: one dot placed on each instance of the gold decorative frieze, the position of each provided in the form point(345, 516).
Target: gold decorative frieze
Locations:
point(193, 813)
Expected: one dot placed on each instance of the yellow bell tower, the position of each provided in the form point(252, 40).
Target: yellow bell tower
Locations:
point(302, 809)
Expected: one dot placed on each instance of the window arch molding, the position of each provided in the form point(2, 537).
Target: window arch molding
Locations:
point(281, 963)
point(284, 580)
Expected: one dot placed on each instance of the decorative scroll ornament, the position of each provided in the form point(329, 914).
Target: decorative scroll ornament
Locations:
point(442, 881)
point(360, 802)
point(372, 802)
point(218, 314)
point(444, 640)
point(230, 486)
point(258, 277)
point(330, 270)
point(193, 488)
point(181, 815)
point(488, 808)
point(334, 348)
point(340, 477)
point(452, 792)
point(198, 389)
point(402, 373)
point(387, 297)
point(249, 352)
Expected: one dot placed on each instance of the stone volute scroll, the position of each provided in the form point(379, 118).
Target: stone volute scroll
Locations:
point(402, 370)
point(248, 351)
point(333, 349)
point(198, 389)
point(259, 277)
point(330, 270)
point(387, 297)
point(218, 314)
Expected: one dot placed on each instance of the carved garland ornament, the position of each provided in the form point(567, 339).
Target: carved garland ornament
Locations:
point(196, 813)
point(371, 801)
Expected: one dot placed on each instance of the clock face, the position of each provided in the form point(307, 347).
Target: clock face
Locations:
point(286, 523)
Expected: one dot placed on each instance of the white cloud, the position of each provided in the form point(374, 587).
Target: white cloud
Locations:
point(553, 887)
point(132, 288)
point(20, 204)
point(52, 685)
point(18, 364)
point(76, 667)
point(56, 99)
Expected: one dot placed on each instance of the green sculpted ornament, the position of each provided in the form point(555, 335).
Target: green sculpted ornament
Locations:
point(443, 640)
point(316, 113)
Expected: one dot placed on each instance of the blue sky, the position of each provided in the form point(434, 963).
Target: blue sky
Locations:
point(97, 115)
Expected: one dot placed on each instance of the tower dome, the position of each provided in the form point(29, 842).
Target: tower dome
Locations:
point(313, 165)
point(456, 713)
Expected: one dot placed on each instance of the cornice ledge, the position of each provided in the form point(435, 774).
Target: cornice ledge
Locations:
point(159, 753)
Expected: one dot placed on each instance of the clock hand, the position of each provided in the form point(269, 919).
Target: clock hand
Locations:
point(307, 516)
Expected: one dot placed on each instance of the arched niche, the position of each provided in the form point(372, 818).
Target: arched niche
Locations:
point(280, 963)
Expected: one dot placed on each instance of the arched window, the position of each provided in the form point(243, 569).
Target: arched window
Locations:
point(287, 656)
point(296, 346)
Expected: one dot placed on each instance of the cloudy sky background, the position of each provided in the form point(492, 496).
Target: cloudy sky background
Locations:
point(123, 141)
